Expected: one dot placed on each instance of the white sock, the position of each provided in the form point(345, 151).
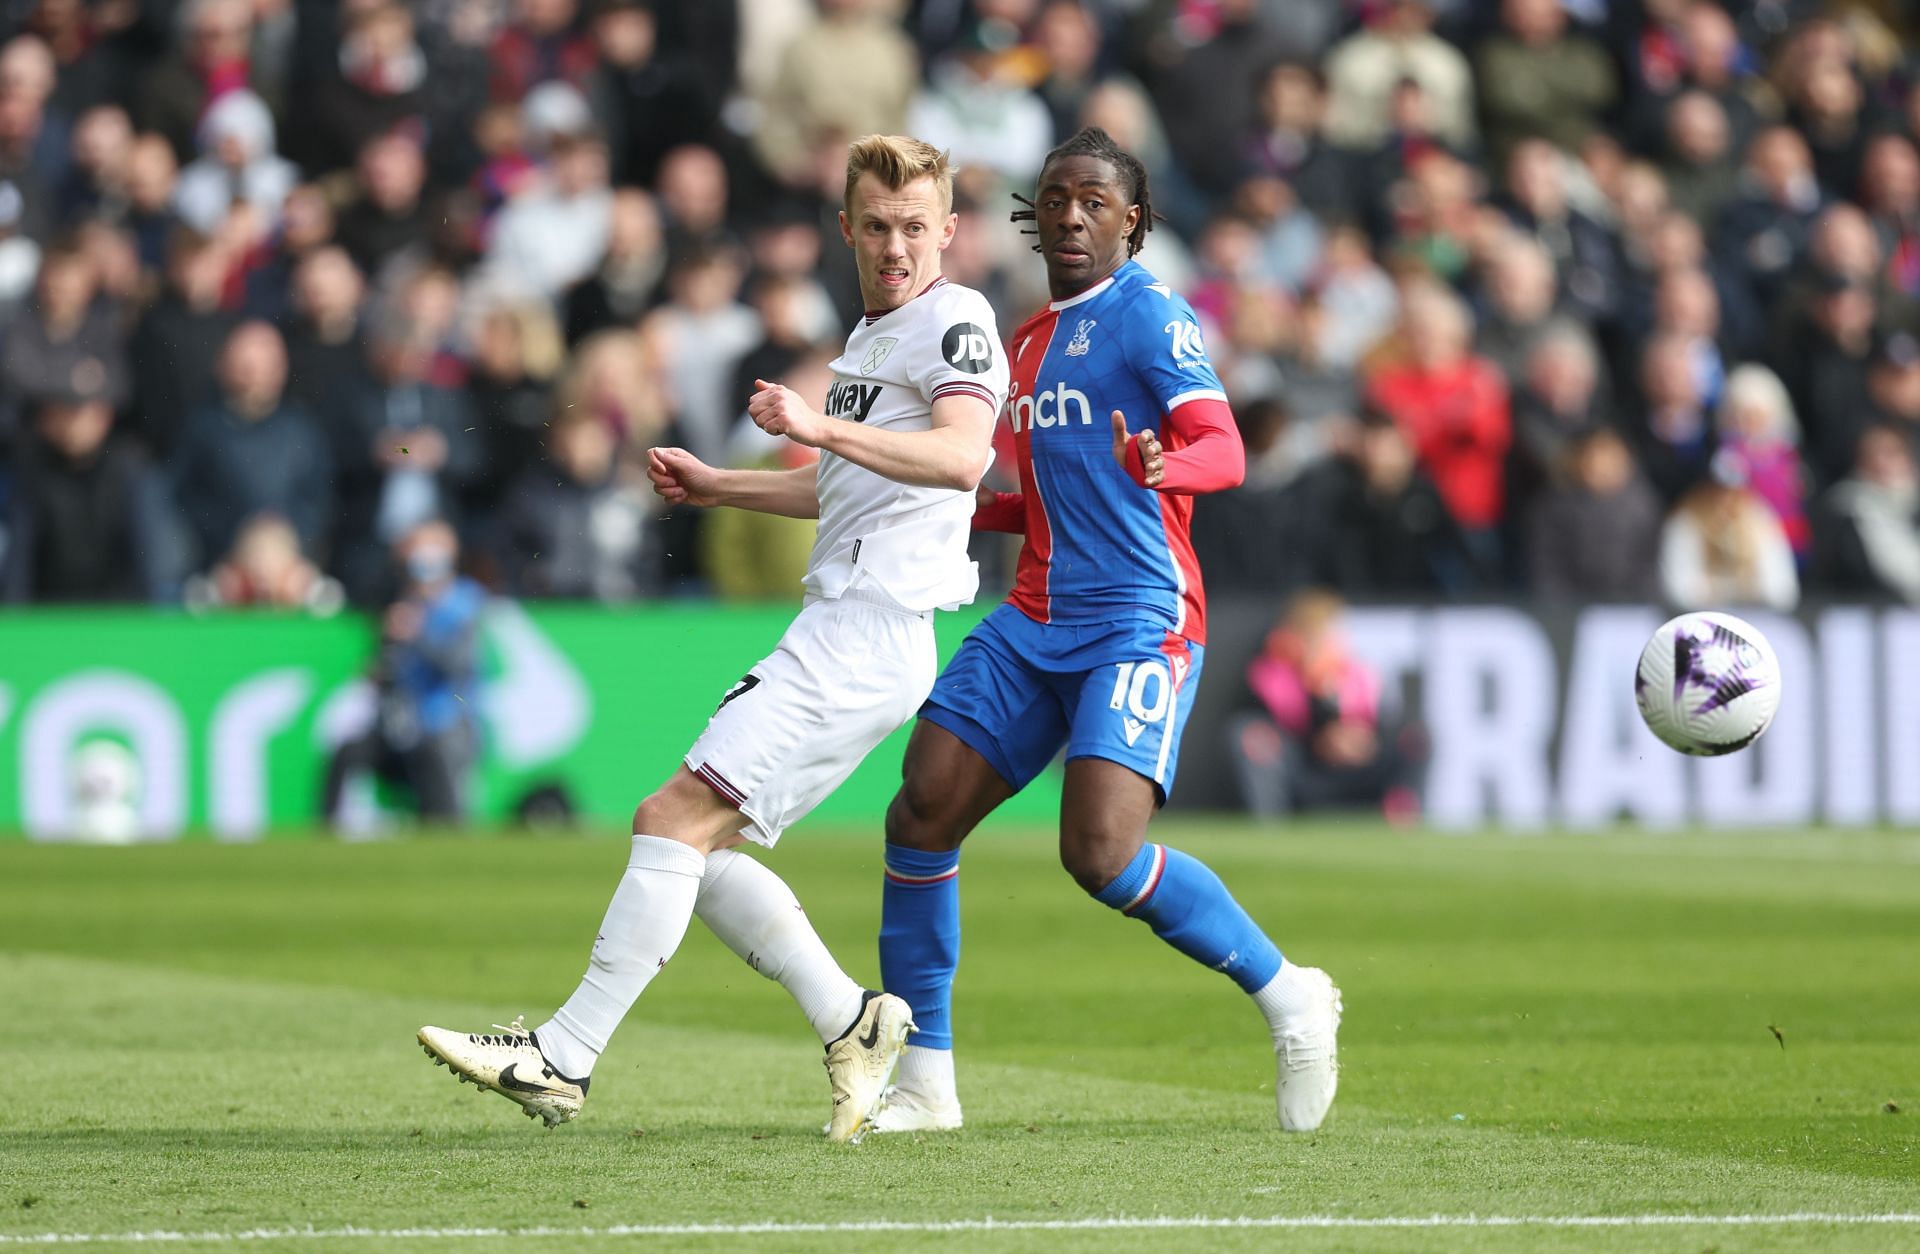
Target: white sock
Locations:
point(644, 925)
point(757, 916)
point(928, 1075)
point(1283, 997)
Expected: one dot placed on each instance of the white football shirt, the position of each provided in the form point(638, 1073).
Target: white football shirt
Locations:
point(907, 542)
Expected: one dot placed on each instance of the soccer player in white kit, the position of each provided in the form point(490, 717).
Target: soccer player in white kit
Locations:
point(904, 440)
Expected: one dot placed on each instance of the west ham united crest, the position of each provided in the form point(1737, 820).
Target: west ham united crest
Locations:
point(878, 353)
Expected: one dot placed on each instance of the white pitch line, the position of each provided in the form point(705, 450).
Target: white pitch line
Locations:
point(972, 1225)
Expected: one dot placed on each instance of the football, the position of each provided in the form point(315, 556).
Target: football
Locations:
point(1707, 683)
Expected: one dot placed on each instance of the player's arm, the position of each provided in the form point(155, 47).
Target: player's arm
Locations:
point(680, 478)
point(1168, 355)
point(1000, 511)
point(953, 453)
point(1211, 457)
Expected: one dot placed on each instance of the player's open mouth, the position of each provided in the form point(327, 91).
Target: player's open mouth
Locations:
point(893, 277)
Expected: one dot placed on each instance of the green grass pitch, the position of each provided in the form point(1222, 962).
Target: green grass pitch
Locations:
point(219, 1040)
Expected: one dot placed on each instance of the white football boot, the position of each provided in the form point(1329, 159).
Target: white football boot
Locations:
point(901, 1111)
point(1308, 1056)
point(508, 1061)
point(859, 1063)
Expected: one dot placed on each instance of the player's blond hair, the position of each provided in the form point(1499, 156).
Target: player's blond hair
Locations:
point(897, 160)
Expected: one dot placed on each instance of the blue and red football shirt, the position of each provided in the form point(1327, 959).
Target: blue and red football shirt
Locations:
point(1099, 545)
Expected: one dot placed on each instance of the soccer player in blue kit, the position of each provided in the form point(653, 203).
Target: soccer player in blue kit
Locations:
point(1098, 648)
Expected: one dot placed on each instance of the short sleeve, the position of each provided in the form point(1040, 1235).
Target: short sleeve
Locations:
point(1167, 352)
point(970, 359)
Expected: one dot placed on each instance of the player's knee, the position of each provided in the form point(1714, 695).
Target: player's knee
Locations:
point(1095, 859)
point(924, 817)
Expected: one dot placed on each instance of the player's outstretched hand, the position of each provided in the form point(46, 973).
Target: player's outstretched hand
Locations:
point(681, 478)
point(779, 410)
point(1152, 461)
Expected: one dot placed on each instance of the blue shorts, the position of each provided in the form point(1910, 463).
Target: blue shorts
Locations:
point(1018, 690)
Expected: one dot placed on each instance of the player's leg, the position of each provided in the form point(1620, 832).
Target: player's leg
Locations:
point(753, 912)
point(990, 725)
point(1120, 762)
point(874, 667)
point(946, 789)
point(548, 1071)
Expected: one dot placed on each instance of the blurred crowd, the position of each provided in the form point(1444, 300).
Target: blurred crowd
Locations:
point(1581, 300)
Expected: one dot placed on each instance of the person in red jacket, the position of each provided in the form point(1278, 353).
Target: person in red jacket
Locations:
point(1452, 407)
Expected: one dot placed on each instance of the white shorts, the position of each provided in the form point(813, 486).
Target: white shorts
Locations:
point(846, 675)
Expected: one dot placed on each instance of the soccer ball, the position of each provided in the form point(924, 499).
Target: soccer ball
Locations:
point(1707, 684)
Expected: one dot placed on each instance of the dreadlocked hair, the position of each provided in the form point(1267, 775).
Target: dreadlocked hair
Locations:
point(1091, 141)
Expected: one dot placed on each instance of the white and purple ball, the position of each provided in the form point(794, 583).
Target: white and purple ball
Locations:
point(1707, 684)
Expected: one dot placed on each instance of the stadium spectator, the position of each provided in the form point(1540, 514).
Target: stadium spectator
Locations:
point(1318, 390)
point(1674, 436)
point(409, 447)
point(1825, 105)
point(625, 283)
point(1893, 385)
point(326, 335)
point(266, 569)
point(744, 555)
point(1594, 535)
point(388, 215)
point(1757, 429)
point(1585, 258)
point(1764, 230)
point(1067, 35)
point(1338, 748)
point(812, 97)
point(251, 449)
point(648, 101)
point(1701, 162)
point(425, 731)
point(517, 354)
point(237, 167)
point(1557, 403)
point(1364, 69)
point(1520, 299)
point(89, 518)
point(1207, 87)
point(96, 181)
point(1722, 546)
point(378, 82)
point(976, 109)
point(1540, 80)
point(1246, 538)
point(704, 309)
point(554, 234)
point(179, 339)
point(217, 58)
point(69, 338)
point(1360, 301)
point(1287, 141)
point(152, 173)
point(1867, 527)
point(1824, 362)
point(1376, 526)
point(1453, 407)
point(694, 191)
point(1890, 193)
point(540, 44)
point(577, 525)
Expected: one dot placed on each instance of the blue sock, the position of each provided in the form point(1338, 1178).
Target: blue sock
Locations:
point(920, 938)
point(1188, 907)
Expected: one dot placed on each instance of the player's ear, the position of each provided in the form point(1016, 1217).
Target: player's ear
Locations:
point(846, 229)
point(946, 234)
point(1128, 223)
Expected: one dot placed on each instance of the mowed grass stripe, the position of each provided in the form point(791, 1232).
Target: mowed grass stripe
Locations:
point(1160, 1223)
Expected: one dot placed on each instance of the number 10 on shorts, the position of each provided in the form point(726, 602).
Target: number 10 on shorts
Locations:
point(1143, 690)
